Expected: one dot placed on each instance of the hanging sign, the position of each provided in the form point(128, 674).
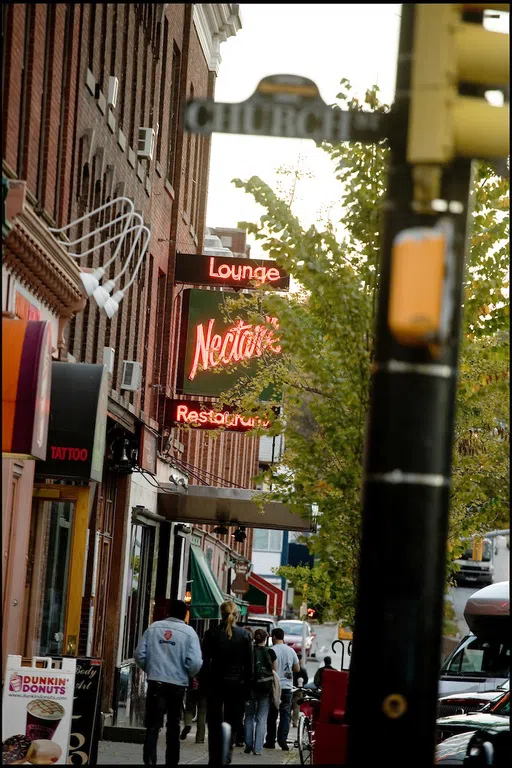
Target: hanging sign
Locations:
point(230, 272)
point(78, 418)
point(209, 345)
point(36, 712)
point(289, 106)
point(204, 415)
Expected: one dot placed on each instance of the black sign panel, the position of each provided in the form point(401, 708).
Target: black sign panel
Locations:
point(288, 106)
point(229, 272)
point(78, 418)
point(83, 739)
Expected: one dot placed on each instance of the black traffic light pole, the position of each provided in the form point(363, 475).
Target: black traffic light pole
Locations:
point(397, 636)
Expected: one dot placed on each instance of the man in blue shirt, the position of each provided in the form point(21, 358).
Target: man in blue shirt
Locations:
point(170, 654)
point(287, 664)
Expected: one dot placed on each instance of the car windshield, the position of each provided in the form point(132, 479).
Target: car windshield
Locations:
point(290, 629)
point(479, 658)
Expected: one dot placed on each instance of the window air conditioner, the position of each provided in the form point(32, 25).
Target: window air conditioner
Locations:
point(113, 88)
point(146, 143)
point(132, 375)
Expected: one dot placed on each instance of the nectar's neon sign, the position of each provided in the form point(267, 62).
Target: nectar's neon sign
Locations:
point(241, 342)
point(241, 273)
point(209, 418)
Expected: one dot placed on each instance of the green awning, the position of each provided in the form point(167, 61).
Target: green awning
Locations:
point(207, 596)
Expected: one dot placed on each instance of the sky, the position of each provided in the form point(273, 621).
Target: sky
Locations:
point(325, 43)
point(322, 42)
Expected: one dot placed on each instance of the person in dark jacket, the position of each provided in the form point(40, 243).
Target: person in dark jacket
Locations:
point(298, 695)
point(318, 674)
point(225, 678)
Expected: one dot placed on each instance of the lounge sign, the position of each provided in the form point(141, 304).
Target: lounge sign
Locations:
point(78, 417)
point(230, 272)
point(203, 415)
point(209, 345)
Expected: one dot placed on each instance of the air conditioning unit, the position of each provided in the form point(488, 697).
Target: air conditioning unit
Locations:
point(113, 89)
point(132, 375)
point(146, 143)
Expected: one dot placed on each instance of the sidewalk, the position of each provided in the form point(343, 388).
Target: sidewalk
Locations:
point(122, 753)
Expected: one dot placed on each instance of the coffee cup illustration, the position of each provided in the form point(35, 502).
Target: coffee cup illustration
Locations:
point(16, 683)
point(43, 718)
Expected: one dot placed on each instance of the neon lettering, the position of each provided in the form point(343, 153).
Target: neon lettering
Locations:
point(240, 342)
point(237, 273)
point(186, 415)
point(69, 454)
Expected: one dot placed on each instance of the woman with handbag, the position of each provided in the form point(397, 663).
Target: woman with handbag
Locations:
point(256, 709)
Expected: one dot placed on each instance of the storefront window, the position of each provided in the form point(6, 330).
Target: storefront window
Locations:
point(139, 587)
point(47, 577)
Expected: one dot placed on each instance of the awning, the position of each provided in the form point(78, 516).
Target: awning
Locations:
point(264, 597)
point(204, 504)
point(207, 596)
point(26, 386)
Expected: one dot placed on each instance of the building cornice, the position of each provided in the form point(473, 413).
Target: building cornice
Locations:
point(215, 23)
point(37, 259)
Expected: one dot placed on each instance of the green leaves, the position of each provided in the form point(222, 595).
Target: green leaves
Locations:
point(326, 333)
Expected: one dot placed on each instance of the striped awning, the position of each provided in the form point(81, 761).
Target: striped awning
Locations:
point(26, 387)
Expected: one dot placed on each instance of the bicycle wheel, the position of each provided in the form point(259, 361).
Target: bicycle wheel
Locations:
point(304, 740)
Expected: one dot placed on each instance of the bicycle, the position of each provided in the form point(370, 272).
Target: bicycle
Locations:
point(306, 728)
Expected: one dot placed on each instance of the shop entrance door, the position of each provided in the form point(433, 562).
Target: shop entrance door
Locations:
point(53, 589)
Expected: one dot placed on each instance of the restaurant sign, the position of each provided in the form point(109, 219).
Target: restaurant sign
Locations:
point(204, 415)
point(230, 272)
point(209, 345)
point(78, 417)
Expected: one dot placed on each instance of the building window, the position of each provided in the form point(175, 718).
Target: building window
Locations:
point(267, 541)
point(139, 587)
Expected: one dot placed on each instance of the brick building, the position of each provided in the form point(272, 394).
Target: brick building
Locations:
point(92, 111)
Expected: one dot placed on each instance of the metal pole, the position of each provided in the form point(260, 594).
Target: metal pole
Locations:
point(397, 636)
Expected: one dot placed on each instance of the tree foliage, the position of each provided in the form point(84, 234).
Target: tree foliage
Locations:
point(326, 331)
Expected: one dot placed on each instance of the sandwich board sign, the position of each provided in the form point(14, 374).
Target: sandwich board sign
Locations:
point(37, 707)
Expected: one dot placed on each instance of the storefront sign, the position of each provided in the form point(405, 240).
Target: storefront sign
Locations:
point(207, 416)
point(36, 712)
point(230, 272)
point(78, 416)
point(148, 450)
point(83, 739)
point(26, 382)
point(209, 344)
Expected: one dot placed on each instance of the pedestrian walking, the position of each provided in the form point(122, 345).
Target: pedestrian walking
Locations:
point(300, 679)
point(318, 674)
point(287, 664)
point(195, 705)
point(225, 679)
point(170, 654)
point(257, 708)
point(240, 736)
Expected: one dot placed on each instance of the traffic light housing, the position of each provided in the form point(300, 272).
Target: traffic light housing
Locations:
point(478, 549)
point(311, 613)
point(444, 124)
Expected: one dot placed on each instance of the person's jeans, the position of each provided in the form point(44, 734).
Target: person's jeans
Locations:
point(285, 710)
point(163, 699)
point(225, 704)
point(196, 700)
point(256, 713)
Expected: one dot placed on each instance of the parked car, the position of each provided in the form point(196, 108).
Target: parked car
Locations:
point(257, 621)
point(493, 717)
point(293, 637)
point(464, 703)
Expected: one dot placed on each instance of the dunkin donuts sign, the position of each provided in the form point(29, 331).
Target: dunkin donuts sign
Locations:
point(36, 712)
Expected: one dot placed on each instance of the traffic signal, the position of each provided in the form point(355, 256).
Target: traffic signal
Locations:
point(311, 613)
point(444, 124)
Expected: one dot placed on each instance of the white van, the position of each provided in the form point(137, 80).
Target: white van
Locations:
point(481, 661)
